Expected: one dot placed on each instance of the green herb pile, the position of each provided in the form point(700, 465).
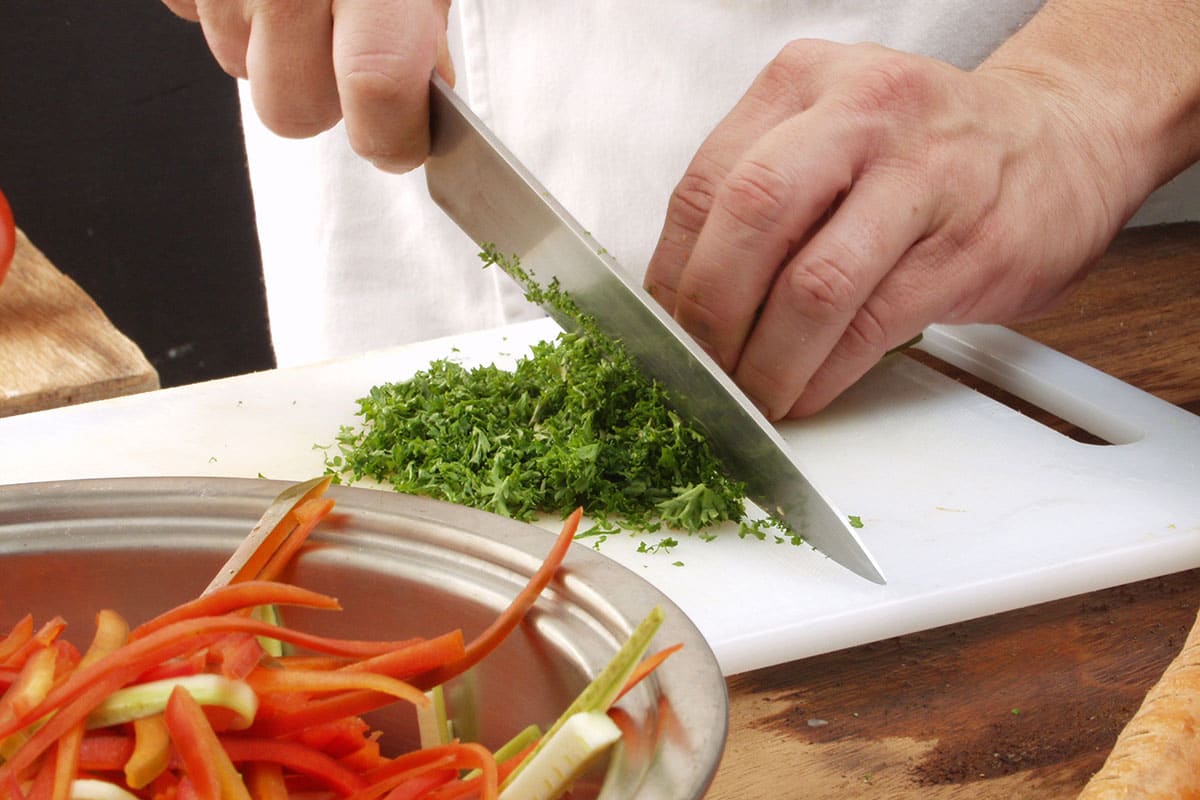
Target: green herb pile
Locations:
point(575, 424)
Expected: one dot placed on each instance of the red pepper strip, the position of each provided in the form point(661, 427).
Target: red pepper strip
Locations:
point(66, 762)
point(487, 641)
point(66, 660)
point(175, 668)
point(294, 756)
point(414, 758)
point(337, 738)
point(469, 788)
point(235, 597)
point(306, 515)
point(648, 665)
point(486, 785)
point(284, 718)
point(236, 655)
point(312, 662)
point(151, 752)
point(418, 787)
point(165, 787)
point(205, 762)
point(45, 637)
point(454, 756)
point(366, 758)
point(186, 790)
point(21, 633)
point(104, 752)
point(415, 781)
point(43, 781)
point(419, 657)
point(286, 527)
point(269, 680)
point(265, 781)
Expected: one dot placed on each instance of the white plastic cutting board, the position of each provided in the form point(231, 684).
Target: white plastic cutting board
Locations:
point(969, 507)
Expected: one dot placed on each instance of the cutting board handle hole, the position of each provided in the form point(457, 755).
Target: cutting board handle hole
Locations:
point(1006, 398)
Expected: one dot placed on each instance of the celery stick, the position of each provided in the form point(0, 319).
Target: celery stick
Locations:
point(144, 699)
point(528, 735)
point(92, 789)
point(432, 726)
point(270, 615)
point(563, 758)
point(598, 695)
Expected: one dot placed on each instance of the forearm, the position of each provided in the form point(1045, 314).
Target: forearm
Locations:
point(1128, 73)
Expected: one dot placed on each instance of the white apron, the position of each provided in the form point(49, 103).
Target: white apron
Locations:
point(606, 102)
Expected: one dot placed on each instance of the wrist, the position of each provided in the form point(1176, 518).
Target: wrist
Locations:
point(1124, 82)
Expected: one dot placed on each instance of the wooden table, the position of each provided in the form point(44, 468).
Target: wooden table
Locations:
point(56, 346)
point(1018, 705)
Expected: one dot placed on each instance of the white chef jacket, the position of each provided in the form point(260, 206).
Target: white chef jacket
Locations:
point(605, 102)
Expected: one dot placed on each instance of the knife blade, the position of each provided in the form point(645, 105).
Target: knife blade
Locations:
point(496, 201)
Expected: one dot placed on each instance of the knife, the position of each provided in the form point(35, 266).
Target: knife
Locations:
point(496, 201)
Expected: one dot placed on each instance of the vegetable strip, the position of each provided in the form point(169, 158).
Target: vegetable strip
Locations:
point(512, 616)
point(234, 597)
point(146, 713)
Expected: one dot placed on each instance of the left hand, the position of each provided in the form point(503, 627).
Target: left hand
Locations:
point(857, 194)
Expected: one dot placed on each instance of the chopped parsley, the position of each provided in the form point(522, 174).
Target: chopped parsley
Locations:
point(574, 424)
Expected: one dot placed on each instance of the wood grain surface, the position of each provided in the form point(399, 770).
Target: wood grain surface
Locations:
point(1021, 705)
point(56, 346)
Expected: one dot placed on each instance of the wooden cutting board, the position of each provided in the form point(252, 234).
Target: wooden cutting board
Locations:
point(57, 347)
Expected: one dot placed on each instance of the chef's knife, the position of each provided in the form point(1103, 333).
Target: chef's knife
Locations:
point(495, 200)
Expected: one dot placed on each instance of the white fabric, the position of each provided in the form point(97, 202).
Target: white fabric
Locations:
point(605, 102)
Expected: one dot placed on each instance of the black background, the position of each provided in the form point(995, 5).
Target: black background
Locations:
point(121, 154)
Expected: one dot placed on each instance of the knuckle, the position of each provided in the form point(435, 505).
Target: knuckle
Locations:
point(691, 201)
point(821, 288)
point(892, 82)
point(866, 338)
point(795, 59)
point(758, 196)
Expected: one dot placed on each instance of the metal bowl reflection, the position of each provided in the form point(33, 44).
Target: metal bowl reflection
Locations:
point(401, 566)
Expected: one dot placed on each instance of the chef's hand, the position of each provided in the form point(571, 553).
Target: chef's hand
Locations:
point(315, 62)
point(856, 194)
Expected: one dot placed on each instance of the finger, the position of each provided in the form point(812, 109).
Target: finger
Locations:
point(383, 58)
point(784, 88)
point(226, 29)
point(289, 63)
point(819, 304)
point(760, 215)
point(183, 8)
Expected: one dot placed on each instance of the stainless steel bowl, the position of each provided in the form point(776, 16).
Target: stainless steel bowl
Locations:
point(401, 566)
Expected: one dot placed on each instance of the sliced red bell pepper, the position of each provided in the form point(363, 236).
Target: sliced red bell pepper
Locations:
point(295, 756)
point(414, 659)
point(235, 597)
point(487, 641)
point(205, 762)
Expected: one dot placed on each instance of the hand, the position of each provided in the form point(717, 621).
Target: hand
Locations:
point(315, 62)
point(856, 194)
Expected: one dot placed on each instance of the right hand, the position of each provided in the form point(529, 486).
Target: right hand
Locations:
point(315, 62)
